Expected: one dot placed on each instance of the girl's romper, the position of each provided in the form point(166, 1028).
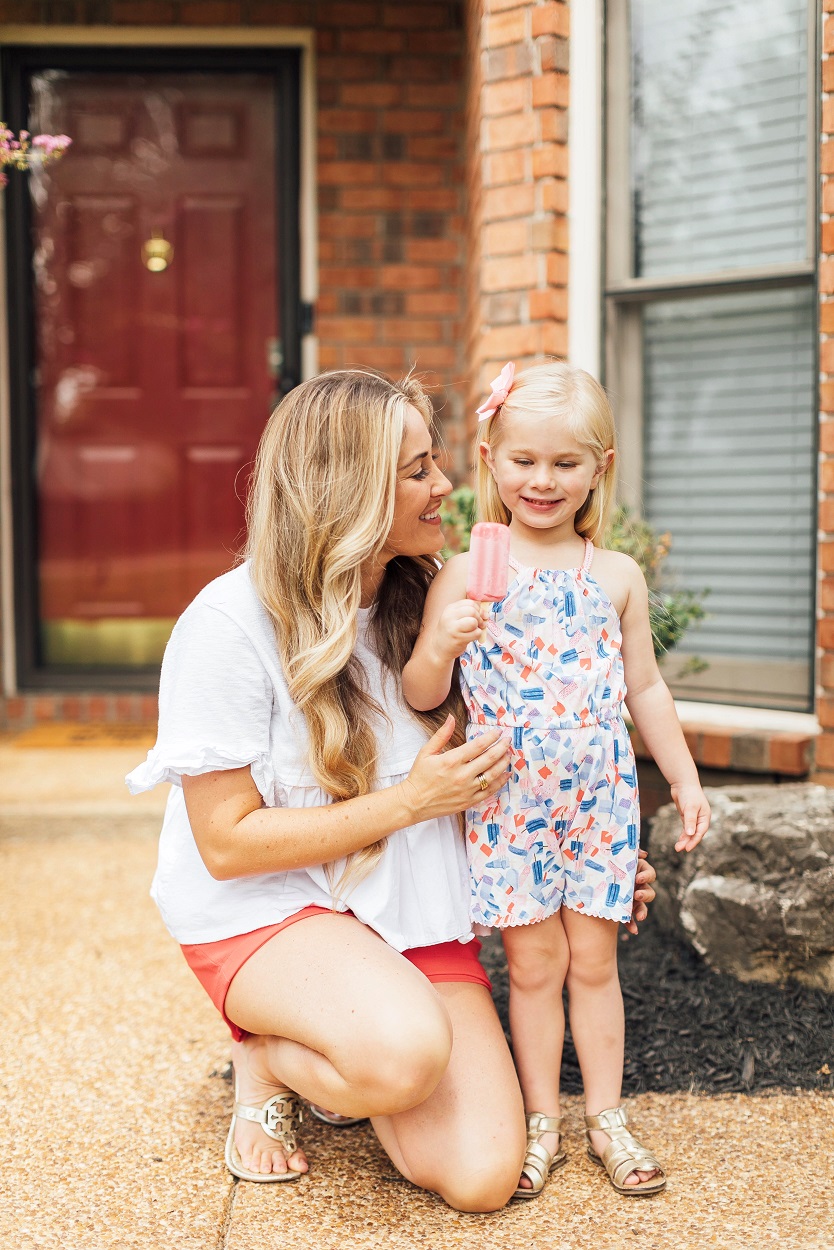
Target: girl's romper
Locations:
point(565, 827)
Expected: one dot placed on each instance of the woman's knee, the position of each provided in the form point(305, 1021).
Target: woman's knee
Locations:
point(403, 1059)
point(487, 1185)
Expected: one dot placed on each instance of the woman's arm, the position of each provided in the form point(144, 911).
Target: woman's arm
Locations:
point(237, 836)
point(652, 709)
point(450, 623)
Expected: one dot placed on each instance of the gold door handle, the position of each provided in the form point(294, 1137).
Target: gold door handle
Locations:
point(157, 252)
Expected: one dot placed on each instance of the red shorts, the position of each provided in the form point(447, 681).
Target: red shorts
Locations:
point(215, 964)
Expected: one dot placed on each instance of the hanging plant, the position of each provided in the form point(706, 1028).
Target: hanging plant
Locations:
point(25, 151)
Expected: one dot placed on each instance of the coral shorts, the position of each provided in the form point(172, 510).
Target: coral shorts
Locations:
point(215, 964)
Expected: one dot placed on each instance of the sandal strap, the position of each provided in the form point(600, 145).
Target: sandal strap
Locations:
point(279, 1118)
point(624, 1154)
point(538, 1123)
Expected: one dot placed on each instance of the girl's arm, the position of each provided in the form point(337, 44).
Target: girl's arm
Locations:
point(652, 710)
point(237, 836)
point(450, 623)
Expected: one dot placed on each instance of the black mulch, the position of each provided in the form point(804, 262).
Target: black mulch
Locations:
point(689, 1028)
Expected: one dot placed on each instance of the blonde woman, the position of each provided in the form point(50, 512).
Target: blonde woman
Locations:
point(311, 864)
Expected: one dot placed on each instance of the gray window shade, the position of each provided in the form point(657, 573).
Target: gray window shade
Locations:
point(719, 134)
point(730, 454)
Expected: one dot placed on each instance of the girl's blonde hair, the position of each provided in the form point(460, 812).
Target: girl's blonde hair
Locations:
point(321, 504)
point(556, 389)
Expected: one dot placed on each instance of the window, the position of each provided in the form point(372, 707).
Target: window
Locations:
point(711, 321)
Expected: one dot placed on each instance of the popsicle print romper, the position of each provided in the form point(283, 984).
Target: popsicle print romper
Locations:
point(565, 828)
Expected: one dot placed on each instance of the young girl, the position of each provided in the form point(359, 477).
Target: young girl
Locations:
point(552, 856)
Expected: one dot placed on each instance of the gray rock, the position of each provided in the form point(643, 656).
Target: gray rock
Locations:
point(756, 898)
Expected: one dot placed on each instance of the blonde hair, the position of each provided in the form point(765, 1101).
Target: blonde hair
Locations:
point(321, 505)
point(556, 389)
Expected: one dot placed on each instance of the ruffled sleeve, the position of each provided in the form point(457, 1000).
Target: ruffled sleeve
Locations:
point(215, 705)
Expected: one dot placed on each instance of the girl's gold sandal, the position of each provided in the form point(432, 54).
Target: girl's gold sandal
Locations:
point(623, 1154)
point(538, 1162)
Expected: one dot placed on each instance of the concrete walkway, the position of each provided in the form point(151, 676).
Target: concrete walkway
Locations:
point(115, 1100)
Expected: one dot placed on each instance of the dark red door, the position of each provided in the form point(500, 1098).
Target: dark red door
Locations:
point(157, 327)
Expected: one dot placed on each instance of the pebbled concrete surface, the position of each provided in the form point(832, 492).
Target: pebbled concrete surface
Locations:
point(114, 1104)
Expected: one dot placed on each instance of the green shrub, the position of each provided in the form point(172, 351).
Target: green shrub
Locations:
point(671, 611)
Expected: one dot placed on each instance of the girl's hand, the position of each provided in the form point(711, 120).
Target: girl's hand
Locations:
point(643, 892)
point(694, 811)
point(442, 782)
point(459, 624)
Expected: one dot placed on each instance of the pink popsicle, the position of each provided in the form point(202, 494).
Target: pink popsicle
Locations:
point(489, 554)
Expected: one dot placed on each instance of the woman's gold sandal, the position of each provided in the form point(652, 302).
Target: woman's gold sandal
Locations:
point(623, 1154)
point(538, 1162)
point(279, 1118)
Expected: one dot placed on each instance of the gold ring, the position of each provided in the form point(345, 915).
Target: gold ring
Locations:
point(483, 784)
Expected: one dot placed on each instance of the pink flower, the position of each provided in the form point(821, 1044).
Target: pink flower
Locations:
point(501, 387)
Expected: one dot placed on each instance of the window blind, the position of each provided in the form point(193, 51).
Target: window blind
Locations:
point(730, 455)
point(719, 134)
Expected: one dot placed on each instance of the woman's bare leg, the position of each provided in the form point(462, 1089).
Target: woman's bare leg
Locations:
point(339, 1017)
point(597, 1018)
point(537, 961)
point(466, 1141)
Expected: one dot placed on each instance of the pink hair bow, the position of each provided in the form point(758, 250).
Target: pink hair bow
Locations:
point(501, 387)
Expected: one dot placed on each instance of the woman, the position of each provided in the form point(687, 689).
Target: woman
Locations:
point(311, 864)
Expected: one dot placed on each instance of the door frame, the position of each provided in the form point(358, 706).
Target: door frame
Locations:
point(285, 54)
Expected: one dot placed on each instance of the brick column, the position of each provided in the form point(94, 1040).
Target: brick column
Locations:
point(825, 623)
point(517, 125)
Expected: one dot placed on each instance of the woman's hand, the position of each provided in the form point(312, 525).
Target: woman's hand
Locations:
point(442, 782)
point(643, 892)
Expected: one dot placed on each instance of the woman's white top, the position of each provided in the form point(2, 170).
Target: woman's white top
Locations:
point(223, 703)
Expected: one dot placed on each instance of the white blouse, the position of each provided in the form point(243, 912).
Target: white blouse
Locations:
point(223, 703)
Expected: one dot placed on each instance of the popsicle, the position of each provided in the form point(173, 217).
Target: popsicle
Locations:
point(488, 572)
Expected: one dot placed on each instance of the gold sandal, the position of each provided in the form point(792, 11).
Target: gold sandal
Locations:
point(538, 1162)
point(623, 1154)
point(279, 1118)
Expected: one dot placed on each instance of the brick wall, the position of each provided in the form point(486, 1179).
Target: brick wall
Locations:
point(520, 269)
point(390, 88)
point(825, 623)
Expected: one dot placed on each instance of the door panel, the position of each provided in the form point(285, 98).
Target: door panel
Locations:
point(156, 298)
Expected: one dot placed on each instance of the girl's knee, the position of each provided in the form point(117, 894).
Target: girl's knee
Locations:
point(536, 968)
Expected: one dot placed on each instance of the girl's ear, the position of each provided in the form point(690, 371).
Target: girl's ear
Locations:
point(603, 465)
point(486, 455)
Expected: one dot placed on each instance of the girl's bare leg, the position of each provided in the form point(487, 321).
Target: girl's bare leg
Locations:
point(537, 960)
point(339, 1017)
point(466, 1141)
point(597, 1019)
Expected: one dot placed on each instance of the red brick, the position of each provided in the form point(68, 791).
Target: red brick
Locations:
point(434, 251)
point(328, 148)
point(505, 167)
point(411, 330)
point(828, 34)
point(433, 147)
point(346, 226)
point(551, 19)
point(381, 94)
point(825, 556)
point(380, 199)
point(827, 157)
point(826, 516)
point(509, 27)
point(554, 194)
point(371, 41)
point(424, 68)
point(509, 62)
point(790, 753)
point(554, 339)
point(551, 89)
point(210, 13)
point(512, 131)
point(344, 68)
point(346, 14)
point(506, 238)
point(827, 356)
point(827, 595)
point(827, 476)
point(345, 276)
point(551, 304)
point(716, 748)
point(828, 117)
point(412, 174)
point(408, 277)
point(347, 329)
point(138, 12)
point(346, 121)
point(420, 15)
point(824, 751)
point(828, 75)
point(825, 712)
point(826, 671)
point(432, 304)
point(414, 121)
point(557, 269)
point(436, 95)
point(509, 274)
point(550, 160)
point(512, 95)
point(502, 202)
point(339, 173)
point(553, 125)
point(554, 54)
point(827, 316)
